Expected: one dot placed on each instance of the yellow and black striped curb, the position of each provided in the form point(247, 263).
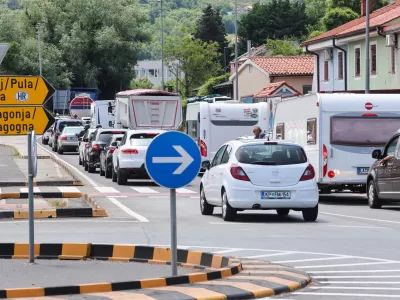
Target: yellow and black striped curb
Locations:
point(213, 266)
point(95, 211)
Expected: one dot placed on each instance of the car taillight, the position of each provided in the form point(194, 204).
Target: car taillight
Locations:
point(238, 173)
point(63, 138)
point(325, 162)
point(308, 174)
point(203, 148)
point(129, 151)
point(95, 147)
point(111, 149)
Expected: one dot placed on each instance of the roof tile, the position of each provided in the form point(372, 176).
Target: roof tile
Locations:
point(271, 88)
point(286, 65)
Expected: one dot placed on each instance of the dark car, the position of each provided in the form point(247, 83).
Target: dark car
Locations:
point(106, 155)
point(383, 181)
point(59, 125)
point(96, 144)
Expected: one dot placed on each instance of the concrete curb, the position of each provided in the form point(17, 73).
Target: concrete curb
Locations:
point(95, 211)
point(214, 266)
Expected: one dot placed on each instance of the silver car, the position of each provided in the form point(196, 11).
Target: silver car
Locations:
point(68, 140)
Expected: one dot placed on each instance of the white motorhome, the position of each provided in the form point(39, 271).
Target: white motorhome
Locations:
point(99, 114)
point(213, 124)
point(339, 133)
point(147, 109)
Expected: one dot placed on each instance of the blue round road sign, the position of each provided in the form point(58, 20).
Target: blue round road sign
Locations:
point(173, 159)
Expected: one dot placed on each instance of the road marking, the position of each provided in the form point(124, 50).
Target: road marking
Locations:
point(68, 189)
point(38, 221)
point(25, 190)
point(311, 259)
point(356, 271)
point(347, 295)
point(360, 282)
point(353, 288)
point(345, 277)
point(144, 190)
point(360, 218)
point(226, 251)
point(366, 227)
point(268, 255)
point(104, 189)
point(184, 191)
point(127, 210)
point(349, 265)
point(90, 181)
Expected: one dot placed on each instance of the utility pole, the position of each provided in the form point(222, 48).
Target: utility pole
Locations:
point(236, 51)
point(162, 47)
point(367, 8)
point(39, 48)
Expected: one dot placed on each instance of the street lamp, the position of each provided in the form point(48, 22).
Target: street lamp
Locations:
point(367, 8)
point(236, 50)
point(162, 47)
point(39, 29)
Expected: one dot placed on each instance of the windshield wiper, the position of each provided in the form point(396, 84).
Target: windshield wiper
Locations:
point(265, 163)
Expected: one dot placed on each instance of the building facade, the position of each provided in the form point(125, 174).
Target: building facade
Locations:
point(151, 69)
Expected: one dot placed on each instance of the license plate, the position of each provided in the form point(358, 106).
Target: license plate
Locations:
point(275, 195)
point(362, 171)
point(72, 138)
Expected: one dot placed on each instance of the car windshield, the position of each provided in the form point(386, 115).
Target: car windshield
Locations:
point(271, 154)
point(106, 135)
point(142, 139)
point(72, 130)
point(69, 124)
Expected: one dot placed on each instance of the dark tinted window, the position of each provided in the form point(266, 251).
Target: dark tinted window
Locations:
point(227, 154)
point(105, 136)
point(271, 154)
point(142, 139)
point(68, 124)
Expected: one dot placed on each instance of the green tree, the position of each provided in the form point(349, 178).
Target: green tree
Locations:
point(338, 16)
point(195, 59)
point(211, 29)
point(285, 47)
point(208, 86)
point(355, 5)
point(141, 83)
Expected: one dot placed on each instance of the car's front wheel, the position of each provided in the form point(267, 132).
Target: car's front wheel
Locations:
point(60, 150)
point(228, 212)
point(310, 214)
point(205, 208)
point(373, 198)
point(283, 211)
point(80, 160)
point(113, 175)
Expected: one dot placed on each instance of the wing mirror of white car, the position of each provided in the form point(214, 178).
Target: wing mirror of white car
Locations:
point(205, 164)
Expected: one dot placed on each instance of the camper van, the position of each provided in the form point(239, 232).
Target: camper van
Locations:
point(339, 133)
point(99, 114)
point(213, 124)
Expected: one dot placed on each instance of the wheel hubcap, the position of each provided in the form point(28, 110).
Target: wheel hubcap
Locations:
point(371, 193)
point(202, 200)
point(224, 205)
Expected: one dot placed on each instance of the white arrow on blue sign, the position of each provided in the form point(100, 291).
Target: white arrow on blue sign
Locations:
point(173, 159)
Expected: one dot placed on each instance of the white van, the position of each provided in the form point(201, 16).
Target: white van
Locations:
point(339, 133)
point(213, 124)
point(99, 114)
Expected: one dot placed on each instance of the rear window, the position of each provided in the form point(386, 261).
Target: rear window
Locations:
point(106, 135)
point(363, 131)
point(69, 124)
point(142, 139)
point(271, 154)
point(70, 130)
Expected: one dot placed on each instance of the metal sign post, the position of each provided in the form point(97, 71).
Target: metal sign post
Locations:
point(173, 160)
point(32, 171)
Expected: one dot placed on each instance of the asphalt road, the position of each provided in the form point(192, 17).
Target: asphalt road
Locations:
point(352, 251)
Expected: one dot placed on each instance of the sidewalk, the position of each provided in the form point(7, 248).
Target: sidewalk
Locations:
point(13, 159)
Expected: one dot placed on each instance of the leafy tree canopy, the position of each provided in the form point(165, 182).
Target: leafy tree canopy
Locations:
point(141, 83)
point(285, 47)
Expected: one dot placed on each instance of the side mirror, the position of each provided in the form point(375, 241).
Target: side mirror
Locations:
point(205, 164)
point(114, 144)
point(377, 154)
point(110, 123)
point(86, 140)
point(80, 139)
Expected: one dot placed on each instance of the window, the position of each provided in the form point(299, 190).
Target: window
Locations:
point(218, 156)
point(227, 154)
point(357, 62)
point(373, 59)
point(307, 89)
point(326, 70)
point(191, 129)
point(250, 69)
point(340, 65)
point(105, 136)
point(157, 73)
point(311, 131)
point(271, 154)
point(142, 139)
point(142, 73)
point(152, 73)
point(280, 131)
point(393, 59)
point(364, 131)
point(391, 148)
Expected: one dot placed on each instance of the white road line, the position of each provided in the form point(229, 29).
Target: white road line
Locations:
point(354, 276)
point(359, 282)
point(356, 271)
point(226, 251)
point(90, 181)
point(365, 227)
point(197, 197)
point(353, 288)
point(127, 210)
point(348, 265)
point(310, 259)
point(38, 221)
point(105, 189)
point(120, 196)
point(25, 190)
point(268, 255)
point(68, 189)
point(184, 191)
point(0, 191)
point(360, 218)
point(144, 190)
point(347, 295)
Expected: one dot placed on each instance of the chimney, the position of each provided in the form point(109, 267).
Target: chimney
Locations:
point(363, 8)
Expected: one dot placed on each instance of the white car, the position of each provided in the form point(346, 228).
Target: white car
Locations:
point(259, 175)
point(128, 158)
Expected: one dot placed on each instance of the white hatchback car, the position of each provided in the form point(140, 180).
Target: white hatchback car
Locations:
point(259, 175)
point(128, 158)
